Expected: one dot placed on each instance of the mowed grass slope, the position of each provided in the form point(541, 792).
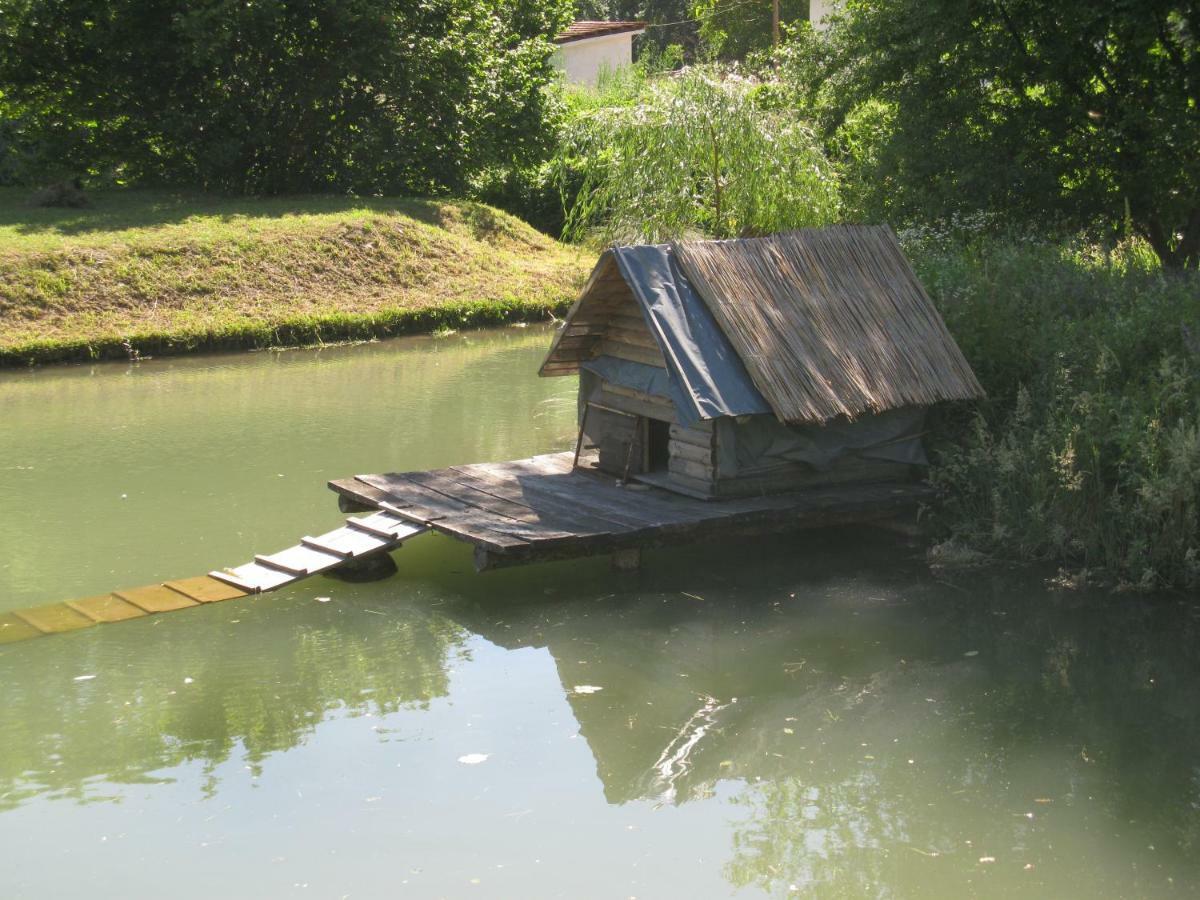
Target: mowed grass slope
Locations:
point(172, 272)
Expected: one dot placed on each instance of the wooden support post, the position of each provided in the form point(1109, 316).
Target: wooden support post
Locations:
point(579, 440)
point(627, 559)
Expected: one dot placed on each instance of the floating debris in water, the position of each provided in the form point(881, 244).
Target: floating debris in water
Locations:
point(586, 689)
point(473, 759)
point(84, 677)
point(971, 653)
point(323, 599)
point(987, 859)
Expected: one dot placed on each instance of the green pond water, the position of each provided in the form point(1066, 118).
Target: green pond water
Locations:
point(806, 715)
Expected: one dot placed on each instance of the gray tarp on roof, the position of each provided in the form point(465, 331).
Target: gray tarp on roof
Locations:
point(709, 380)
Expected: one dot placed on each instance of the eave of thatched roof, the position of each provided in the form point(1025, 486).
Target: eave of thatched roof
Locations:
point(829, 322)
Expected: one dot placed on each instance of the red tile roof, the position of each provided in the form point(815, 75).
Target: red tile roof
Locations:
point(581, 31)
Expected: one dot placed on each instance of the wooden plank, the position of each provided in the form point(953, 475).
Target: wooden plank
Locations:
point(510, 516)
point(698, 435)
point(580, 340)
point(106, 608)
point(691, 452)
point(445, 514)
point(633, 337)
point(204, 589)
point(631, 319)
point(299, 560)
point(561, 489)
point(700, 471)
point(386, 525)
point(638, 508)
point(545, 462)
point(664, 404)
point(347, 542)
point(487, 512)
point(55, 618)
point(634, 406)
point(571, 515)
point(632, 353)
point(474, 531)
point(253, 577)
point(155, 598)
point(13, 629)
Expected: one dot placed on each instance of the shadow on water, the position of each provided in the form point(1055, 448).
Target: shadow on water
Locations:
point(866, 722)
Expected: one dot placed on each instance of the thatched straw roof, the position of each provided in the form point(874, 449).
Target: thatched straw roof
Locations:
point(810, 325)
point(829, 321)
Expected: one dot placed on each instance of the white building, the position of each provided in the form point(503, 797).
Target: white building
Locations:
point(587, 48)
point(819, 11)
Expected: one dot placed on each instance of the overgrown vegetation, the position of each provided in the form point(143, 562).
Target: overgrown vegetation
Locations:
point(170, 272)
point(1087, 450)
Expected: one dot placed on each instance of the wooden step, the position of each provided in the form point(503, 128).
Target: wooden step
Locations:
point(254, 578)
point(106, 608)
point(387, 525)
point(300, 560)
point(348, 542)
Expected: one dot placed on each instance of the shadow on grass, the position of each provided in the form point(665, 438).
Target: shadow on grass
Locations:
point(123, 210)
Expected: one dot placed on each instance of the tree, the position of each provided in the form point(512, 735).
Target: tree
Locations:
point(274, 96)
point(696, 153)
point(737, 28)
point(1036, 108)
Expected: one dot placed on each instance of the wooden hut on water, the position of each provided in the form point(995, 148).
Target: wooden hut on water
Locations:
point(741, 367)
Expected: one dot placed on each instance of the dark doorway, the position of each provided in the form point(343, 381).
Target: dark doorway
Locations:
point(658, 445)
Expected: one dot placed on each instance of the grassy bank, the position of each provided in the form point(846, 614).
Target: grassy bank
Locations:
point(172, 273)
point(1087, 450)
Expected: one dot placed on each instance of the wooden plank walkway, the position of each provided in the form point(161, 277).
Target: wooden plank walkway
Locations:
point(378, 532)
point(541, 508)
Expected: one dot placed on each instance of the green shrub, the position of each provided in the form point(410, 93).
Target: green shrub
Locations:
point(1087, 450)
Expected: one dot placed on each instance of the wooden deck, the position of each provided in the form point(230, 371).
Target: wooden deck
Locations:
point(536, 509)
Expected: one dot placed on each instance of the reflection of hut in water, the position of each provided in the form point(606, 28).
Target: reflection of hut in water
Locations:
point(695, 697)
point(726, 368)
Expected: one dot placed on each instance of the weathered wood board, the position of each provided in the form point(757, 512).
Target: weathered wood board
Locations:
point(155, 598)
point(542, 508)
point(54, 618)
point(205, 589)
point(107, 608)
